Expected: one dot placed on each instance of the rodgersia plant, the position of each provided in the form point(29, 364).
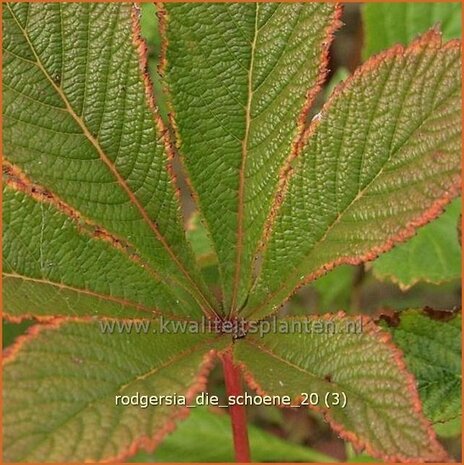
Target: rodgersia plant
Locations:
point(93, 230)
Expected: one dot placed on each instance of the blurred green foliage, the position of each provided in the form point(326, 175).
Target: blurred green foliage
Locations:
point(207, 437)
point(387, 24)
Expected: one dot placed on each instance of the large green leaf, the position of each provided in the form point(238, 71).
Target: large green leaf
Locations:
point(77, 122)
point(66, 376)
point(433, 256)
point(187, 443)
point(387, 24)
point(242, 77)
point(381, 159)
point(382, 413)
point(431, 342)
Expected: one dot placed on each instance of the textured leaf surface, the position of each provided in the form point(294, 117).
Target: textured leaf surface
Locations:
point(149, 26)
point(54, 264)
point(386, 24)
point(66, 376)
point(187, 443)
point(382, 412)
point(77, 122)
point(432, 349)
point(382, 159)
point(241, 78)
point(433, 256)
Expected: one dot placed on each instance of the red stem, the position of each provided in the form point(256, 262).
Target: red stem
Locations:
point(237, 413)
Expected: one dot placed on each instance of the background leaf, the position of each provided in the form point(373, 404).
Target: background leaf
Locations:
point(207, 437)
point(431, 343)
point(150, 31)
point(449, 429)
point(387, 24)
point(335, 288)
point(433, 255)
point(203, 248)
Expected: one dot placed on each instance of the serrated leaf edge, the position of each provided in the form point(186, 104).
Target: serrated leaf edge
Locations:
point(141, 47)
point(311, 95)
point(123, 302)
point(149, 443)
point(431, 37)
point(397, 356)
point(172, 131)
point(433, 212)
point(17, 181)
point(298, 143)
point(436, 208)
point(204, 304)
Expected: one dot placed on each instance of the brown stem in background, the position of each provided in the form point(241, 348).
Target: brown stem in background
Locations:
point(233, 380)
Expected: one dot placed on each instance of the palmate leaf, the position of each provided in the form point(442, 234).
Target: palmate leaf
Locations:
point(93, 231)
point(382, 413)
point(66, 376)
point(89, 137)
point(431, 342)
point(381, 159)
point(241, 80)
